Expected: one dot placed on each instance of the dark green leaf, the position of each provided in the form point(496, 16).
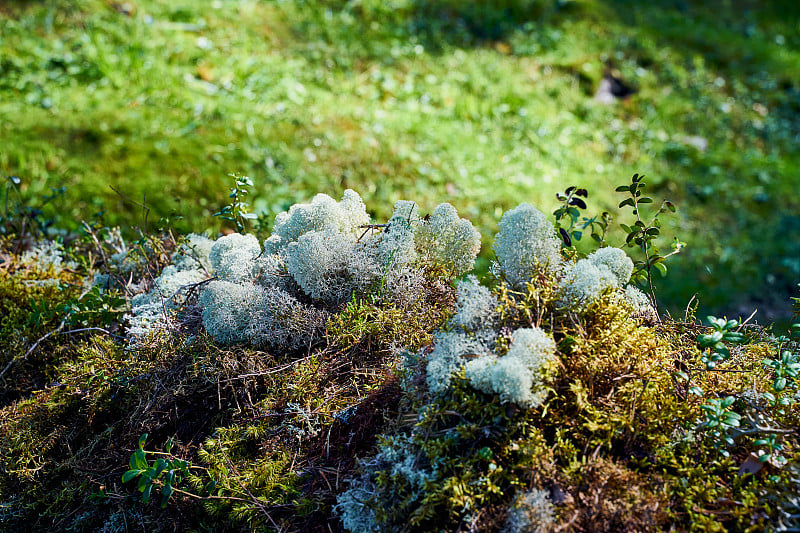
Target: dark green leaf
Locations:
point(578, 203)
point(130, 474)
point(138, 460)
point(146, 493)
point(166, 492)
point(565, 236)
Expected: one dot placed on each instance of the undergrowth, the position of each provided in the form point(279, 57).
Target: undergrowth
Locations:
point(172, 382)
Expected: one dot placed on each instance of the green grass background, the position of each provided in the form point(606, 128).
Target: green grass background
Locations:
point(480, 104)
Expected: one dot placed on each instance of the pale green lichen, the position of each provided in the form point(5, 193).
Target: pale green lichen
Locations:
point(150, 311)
point(583, 283)
point(194, 253)
point(346, 217)
point(616, 260)
point(525, 244)
point(522, 374)
point(232, 257)
point(227, 308)
point(447, 357)
point(448, 241)
point(475, 306)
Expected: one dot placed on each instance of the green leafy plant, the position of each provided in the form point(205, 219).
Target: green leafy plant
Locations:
point(771, 446)
point(96, 307)
point(713, 344)
point(786, 368)
point(571, 226)
point(237, 211)
point(164, 472)
point(19, 216)
point(643, 234)
point(719, 418)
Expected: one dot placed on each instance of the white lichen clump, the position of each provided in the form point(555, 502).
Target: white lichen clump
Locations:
point(448, 241)
point(194, 253)
point(345, 217)
point(530, 512)
point(232, 257)
point(319, 256)
point(525, 244)
point(449, 356)
point(45, 255)
point(476, 306)
point(583, 284)
point(398, 457)
point(151, 311)
point(521, 375)
point(585, 281)
point(227, 308)
point(615, 260)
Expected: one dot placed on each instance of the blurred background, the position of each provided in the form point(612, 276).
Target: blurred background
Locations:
point(482, 104)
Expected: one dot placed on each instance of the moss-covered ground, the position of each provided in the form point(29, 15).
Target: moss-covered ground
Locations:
point(638, 432)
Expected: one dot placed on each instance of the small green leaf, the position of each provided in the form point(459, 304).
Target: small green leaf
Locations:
point(168, 445)
point(681, 375)
point(727, 401)
point(142, 440)
point(144, 482)
point(138, 460)
point(166, 492)
point(130, 474)
point(146, 493)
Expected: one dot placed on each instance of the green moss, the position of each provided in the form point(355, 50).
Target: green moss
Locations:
point(33, 302)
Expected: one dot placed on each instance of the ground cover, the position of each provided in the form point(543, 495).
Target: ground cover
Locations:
point(345, 374)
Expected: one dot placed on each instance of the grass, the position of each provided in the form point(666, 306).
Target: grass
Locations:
point(430, 100)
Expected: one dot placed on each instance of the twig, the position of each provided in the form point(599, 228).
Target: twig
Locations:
point(688, 306)
point(143, 205)
point(35, 345)
point(747, 320)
